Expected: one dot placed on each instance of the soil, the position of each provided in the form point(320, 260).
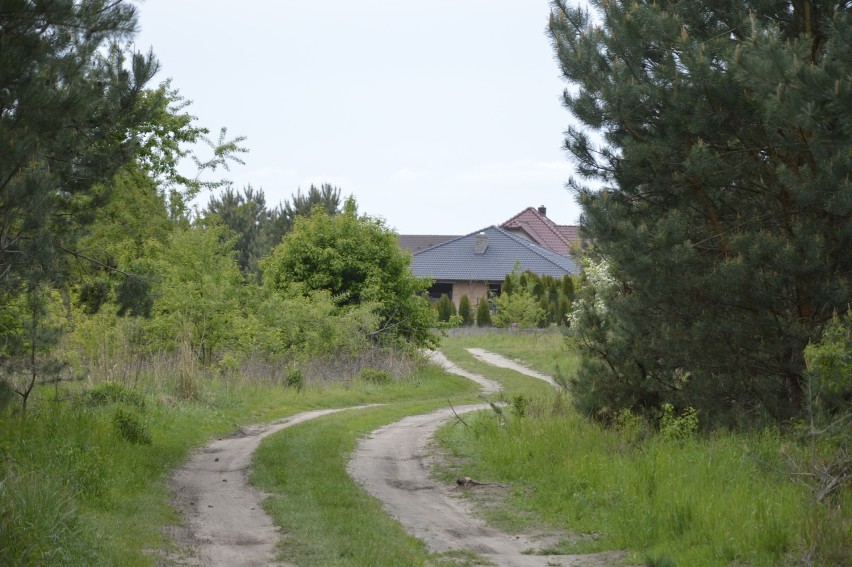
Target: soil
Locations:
point(224, 524)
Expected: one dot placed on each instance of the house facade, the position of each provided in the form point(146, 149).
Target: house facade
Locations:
point(477, 263)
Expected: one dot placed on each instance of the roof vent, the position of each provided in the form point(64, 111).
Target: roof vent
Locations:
point(481, 244)
point(542, 210)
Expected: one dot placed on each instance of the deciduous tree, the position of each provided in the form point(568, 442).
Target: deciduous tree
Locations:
point(355, 258)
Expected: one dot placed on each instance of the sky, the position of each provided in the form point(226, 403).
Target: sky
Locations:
point(442, 117)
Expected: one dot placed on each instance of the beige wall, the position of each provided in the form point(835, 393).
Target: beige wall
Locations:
point(474, 291)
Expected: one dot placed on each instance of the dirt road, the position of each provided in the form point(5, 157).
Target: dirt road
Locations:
point(225, 524)
point(393, 465)
point(503, 362)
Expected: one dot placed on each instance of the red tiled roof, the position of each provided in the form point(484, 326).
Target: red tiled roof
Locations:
point(544, 231)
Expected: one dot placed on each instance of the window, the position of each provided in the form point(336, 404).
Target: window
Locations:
point(439, 289)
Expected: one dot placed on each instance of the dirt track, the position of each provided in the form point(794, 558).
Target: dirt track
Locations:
point(226, 526)
point(392, 464)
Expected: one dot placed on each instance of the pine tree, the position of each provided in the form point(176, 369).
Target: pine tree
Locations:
point(721, 195)
point(72, 106)
point(246, 215)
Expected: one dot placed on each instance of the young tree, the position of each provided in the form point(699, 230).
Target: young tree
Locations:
point(483, 313)
point(357, 260)
point(465, 311)
point(445, 308)
point(718, 137)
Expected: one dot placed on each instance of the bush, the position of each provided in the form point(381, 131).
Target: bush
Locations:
point(445, 308)
point(110, 392)
point(295, 380)
point(483, 313)
point(465, 312)
point(375, 376)
point(521, 308)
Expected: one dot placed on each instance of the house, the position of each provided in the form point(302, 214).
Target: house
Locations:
point(477, 263)
point(534, 225)
point(531, 223)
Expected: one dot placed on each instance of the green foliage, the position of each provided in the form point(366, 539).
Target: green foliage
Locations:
point(131, 427)
point(355, 259)
point(199, 291)
point(445, 308)
point(483, 313)
point(295, 379)
point(246, 215)
point(520, 308)
point(723, 151)
point(375, 376)
point(829, 363)
point(465, 311)
point(678, 426)
point(519, 405)
point(111, 392)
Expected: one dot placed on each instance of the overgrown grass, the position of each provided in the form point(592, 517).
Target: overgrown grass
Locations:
point(718, 500)
point(75, 490)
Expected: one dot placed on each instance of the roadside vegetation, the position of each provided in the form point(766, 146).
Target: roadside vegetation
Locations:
point(84, 478)
point(662, 491)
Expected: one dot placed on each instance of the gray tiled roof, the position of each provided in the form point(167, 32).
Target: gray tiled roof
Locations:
point(457, 260)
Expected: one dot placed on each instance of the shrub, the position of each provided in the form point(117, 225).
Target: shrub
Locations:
point(445, 308)
point(483, 313)
point(680, 426)
point(295, 379)
point(111, 392)
point(375, 376)
point(465, 312)
point(521, 308)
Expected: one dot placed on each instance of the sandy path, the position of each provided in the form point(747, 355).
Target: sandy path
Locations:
point(488, 386)
point(225, 524)
point(392, 464)
point(495, 359)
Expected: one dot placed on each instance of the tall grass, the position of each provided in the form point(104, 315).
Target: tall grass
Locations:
point(79, 487)
point(723, 499)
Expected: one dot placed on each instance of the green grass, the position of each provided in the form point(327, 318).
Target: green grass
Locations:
point(545, 351)
point(718, 500)
point(74, 492)
point(327, 519)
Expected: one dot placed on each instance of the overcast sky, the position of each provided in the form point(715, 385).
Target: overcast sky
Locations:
point(442, 117)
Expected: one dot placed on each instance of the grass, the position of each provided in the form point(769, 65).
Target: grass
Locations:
point(327, 518)
point(544, 350)
point(73, 491)
point(718, 500)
